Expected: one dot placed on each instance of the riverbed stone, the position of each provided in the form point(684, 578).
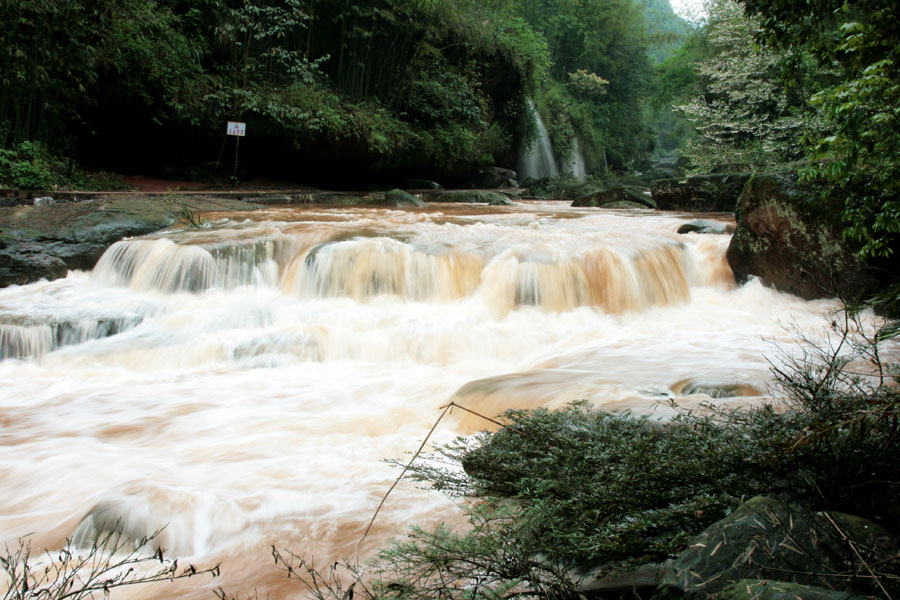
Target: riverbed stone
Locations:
point(707, 227)
point(473, 197)
point(791, 242)
point(401, 198)
point(615, 197)
point(766, 539)
point(718, 192)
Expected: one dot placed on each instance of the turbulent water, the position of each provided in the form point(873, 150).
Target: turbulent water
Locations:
point(240, 385)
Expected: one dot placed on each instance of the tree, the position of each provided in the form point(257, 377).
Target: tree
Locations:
point(857, 153)
point(742, 112)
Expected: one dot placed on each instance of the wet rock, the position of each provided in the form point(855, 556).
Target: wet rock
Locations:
point(637, 583)
point(22, 262)
point(791, 242)
point(702, 193)
point(401, 198)
point(44, 200)
point(615, 198)
point(766, 539)
point(706, 227)
point(714, 389)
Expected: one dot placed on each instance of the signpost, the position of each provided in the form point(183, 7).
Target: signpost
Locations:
point(236, 128)
point(239, 130)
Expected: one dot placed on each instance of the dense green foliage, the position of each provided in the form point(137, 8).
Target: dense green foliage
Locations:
point(857, 152)
point(383, 84)
point(742, 112)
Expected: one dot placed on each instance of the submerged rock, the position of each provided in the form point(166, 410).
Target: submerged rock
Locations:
point(765, 539)
point(706, 226)
point(701, 193)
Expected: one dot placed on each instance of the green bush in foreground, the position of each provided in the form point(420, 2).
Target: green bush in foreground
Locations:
point(569, 490)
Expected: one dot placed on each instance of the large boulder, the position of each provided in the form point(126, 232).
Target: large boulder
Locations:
point(765, 539)
point(791, 242)
point(615, 197)
point(702, 193)
point(46, 241)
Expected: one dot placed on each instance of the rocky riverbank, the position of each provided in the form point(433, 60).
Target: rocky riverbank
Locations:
point(46, 240)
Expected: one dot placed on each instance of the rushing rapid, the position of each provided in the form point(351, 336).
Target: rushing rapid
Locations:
point(241, 384)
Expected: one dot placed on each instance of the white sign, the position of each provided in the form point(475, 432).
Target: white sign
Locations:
point(237, 128)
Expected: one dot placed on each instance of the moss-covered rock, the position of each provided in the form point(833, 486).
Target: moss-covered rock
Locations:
point(768, 539)
point(791, 242)
point(703, 193)
point(398, 198)
point(616, 197)
point(473, 197)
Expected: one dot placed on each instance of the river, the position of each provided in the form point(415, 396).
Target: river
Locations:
point(241, 384)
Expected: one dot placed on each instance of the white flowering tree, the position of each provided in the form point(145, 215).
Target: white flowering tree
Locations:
point(743, 113)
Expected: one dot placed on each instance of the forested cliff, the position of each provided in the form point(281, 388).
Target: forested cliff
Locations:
point(330, 90)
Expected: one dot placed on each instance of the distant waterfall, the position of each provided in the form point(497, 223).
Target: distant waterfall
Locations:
point(538, 160)
point(574, 164)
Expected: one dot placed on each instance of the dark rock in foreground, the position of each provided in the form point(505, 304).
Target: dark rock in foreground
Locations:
point(46, 241)
point(766, 539)
point(787, 239)
point(702, 193)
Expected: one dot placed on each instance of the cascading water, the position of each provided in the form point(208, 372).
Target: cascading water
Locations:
point(537, 161)
point(258, 372)
point(574, 164)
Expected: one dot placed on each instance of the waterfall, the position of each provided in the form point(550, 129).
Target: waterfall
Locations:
point(574, 164)
point(537, 161)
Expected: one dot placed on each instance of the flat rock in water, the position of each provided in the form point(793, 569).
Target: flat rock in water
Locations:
point(401, 198)
point(617, 197)
point(473, 197)
point(45, 241)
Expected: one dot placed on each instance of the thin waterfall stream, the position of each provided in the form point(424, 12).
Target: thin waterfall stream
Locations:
point(239, 386)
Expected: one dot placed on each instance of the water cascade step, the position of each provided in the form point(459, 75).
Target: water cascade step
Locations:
point(241, 384)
